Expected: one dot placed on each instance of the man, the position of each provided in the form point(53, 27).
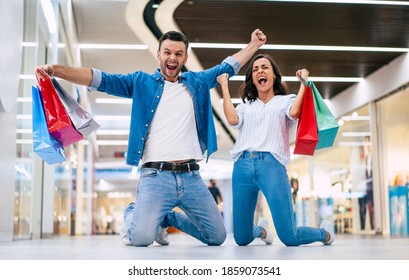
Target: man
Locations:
point(171, 128)
point(214, 190)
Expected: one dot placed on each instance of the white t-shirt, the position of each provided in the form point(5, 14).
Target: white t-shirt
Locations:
point(173, 134)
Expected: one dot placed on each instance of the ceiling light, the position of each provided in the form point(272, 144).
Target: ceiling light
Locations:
point(29, 44)
point(27, 77)
point(24, 141)
point(326, 79)
point(356, 118)
point(233, 100)
point(24, 99)
point(356, 134)
point(112, 118)
point(112, 132)
point(119, 195)
point(113, 46)
point(113, 100)
point(353, 144)
point(368, 2)
point(49, 15)
point(313, 79)
point(24, 117)
point(34, 44)
point(59, 45)
point(112, 142)
point(24, 131)
point(298, 47)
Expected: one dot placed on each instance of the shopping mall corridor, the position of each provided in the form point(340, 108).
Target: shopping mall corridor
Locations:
point(184, 247)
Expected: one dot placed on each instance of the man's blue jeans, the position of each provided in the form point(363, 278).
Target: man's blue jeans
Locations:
point(158, 193)
point(255, 171)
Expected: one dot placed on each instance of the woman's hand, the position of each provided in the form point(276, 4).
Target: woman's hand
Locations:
point(223, 79)
point(303, 73)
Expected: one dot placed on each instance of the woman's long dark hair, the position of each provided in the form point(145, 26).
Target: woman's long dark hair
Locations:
point(248, 89)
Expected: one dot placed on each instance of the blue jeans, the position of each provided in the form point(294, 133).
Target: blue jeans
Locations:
point(255, 171)
point(158, 193)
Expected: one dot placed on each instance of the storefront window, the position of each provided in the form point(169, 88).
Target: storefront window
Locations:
point(394, 160)
point(56, 196)
point(332, 184)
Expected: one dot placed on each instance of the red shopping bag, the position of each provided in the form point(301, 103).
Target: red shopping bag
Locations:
point(58, 121)
point(307, 131)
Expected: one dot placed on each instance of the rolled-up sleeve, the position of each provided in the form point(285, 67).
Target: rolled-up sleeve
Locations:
point(240, 113)
point(290, 101)
point(96, 79)
point(234, 63)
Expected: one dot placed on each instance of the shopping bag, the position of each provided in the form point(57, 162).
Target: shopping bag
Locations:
point(44, 144)
point(82, 120)
point(326, 123)
point(58, 121)
point(307, 132)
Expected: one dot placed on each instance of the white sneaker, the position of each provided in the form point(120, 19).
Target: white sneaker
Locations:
point(162, 236)
point(328, 227)
point(269, 236)
point(124, 238)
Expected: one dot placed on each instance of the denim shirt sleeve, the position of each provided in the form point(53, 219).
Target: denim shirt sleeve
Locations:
point(96, 79)
point(234, 63)
point(229, 65)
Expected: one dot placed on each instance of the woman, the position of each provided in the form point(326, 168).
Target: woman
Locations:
point(262, 152)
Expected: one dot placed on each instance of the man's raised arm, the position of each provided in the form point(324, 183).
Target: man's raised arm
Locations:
point(76, 75)
point(257, 40)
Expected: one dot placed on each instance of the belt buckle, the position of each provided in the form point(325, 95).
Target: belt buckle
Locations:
point(174, 169)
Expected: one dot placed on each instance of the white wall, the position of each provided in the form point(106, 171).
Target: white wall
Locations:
point(378, 84)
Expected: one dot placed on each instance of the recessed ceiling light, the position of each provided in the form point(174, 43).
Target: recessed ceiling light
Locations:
point(113, 46)
point(298, 47)
point(368, 2)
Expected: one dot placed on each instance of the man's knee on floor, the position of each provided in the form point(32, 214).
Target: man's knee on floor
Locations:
point(217, 239)
point(141, 243)
point(141, 240)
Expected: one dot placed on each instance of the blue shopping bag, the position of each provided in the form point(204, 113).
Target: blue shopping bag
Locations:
point(44, 144)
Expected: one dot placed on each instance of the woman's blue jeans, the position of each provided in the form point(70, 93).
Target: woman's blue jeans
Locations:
point(158, 193)
point(255, 171)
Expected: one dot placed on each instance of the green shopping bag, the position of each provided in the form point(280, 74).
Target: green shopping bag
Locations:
point(326, 123)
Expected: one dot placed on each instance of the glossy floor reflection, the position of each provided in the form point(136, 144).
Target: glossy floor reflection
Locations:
point(109, 247)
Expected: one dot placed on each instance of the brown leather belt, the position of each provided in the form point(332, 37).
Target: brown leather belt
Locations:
point(174, 167)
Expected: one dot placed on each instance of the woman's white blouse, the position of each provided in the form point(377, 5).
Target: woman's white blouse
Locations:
point(265, 127)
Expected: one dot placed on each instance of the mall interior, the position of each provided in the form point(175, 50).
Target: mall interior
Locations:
point(74, 209)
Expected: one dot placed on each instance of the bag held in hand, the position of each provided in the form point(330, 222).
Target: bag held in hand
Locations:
point(58, 121)
point(326, 123)
point(82, 120)
point(44, 144)
point(307, 132)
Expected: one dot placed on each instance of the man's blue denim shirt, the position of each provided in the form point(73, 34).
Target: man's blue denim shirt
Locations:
point(146, 90)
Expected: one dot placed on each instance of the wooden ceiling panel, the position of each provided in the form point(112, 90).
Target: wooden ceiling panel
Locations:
point(296, 23)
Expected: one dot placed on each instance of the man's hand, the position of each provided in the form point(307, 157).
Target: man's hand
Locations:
point(48, 68)
point(258, 37)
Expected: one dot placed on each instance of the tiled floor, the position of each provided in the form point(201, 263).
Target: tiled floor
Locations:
point(184, 247)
